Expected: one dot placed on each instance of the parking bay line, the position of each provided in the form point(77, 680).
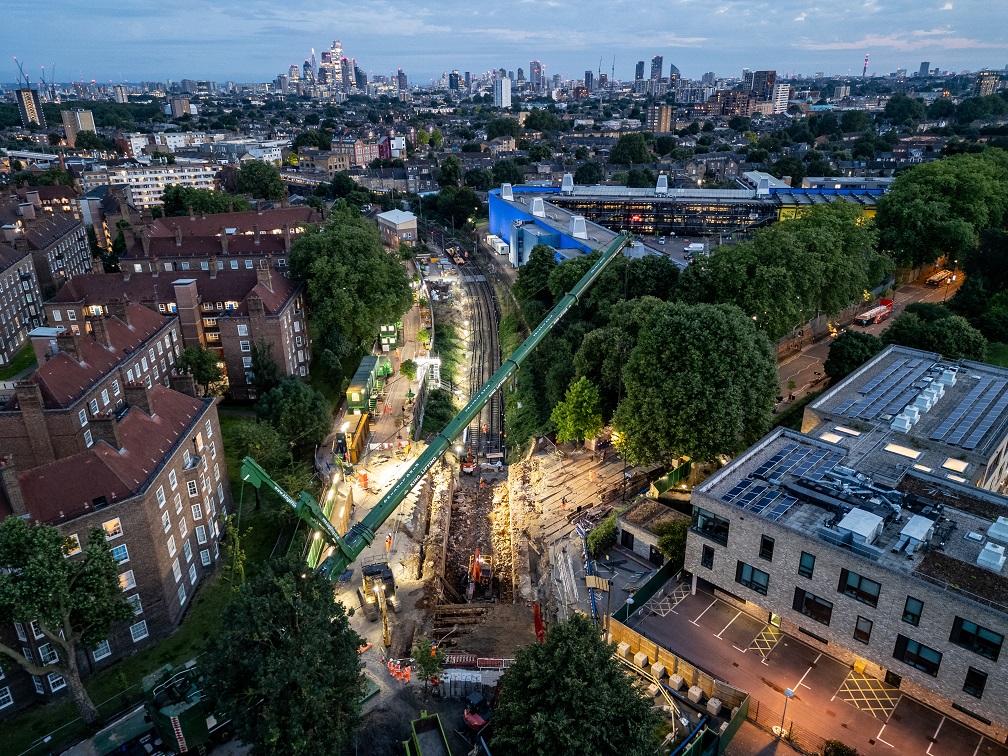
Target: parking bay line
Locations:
point(934, 738)
point(801, 683)
point(718, 636)
point(694, 621)
point(879, 738)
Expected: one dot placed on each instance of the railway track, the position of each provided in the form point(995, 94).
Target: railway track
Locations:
point(485, 433)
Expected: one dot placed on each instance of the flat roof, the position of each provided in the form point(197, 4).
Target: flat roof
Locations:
point(397, 217)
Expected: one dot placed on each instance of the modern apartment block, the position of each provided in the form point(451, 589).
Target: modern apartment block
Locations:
point(228, 313)
point(94, 439)
point(872, 535)
point(74, 121)
point(227, 241)
point(20, 299)
point(146, 183)
point(55, 238)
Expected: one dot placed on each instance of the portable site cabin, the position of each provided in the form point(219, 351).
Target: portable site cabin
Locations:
point(389, 335)
point(362, 386)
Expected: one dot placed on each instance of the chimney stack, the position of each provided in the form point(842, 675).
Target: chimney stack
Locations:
point(32, 409)
point(264, 276)
point(178, 234)
point(99, 329)
point(129, 236)
point(184, 383)
point(70, 343)
point(223, 241)
point(138, 395)
point(119, 308)
point(12, 486)
point(255, 233)
point(287, 238)
point(213, 266)
point(32, 195)
point(145, 241)
point(105, 428)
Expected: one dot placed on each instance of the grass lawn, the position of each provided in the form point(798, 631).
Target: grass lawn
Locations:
point(119, 687)
point(997, 353)
point(22, 361)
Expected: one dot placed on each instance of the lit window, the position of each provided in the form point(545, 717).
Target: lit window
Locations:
point(903, 451)
point(955, 464)
point(127, 581)
point(71, 546)
point(113, 529)
point(139, 631)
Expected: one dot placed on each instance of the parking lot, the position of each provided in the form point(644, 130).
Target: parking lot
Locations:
point(830, 699)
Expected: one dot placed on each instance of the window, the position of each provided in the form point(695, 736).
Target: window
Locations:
point(183, 528)
point(766, 548)
point(115, 387)
point(113, 529)
point(862, 629)
point(204, 556)
point(57, 316)
point(976, 680)
point(72, 314)
point(47, 655)
point(912, 611)
point(36, 630)
point(5, 698)
point(134, 601)
point(177, 570)
point(245, 346)
point(187, 550)
point(248, 264)
point(246, 362)
point(172, 480)
point(160, 497)
point(71, 546)
point(19, 629)
point(976, 638)
point(88, 440)
point(213, 451)
point(234, 265)
point(209, 429)
point(166, 522)
point(93, 404)
point(120, 553)
point(197, 512)
point(917, 655)
point(812, 606)
point(101, 651)
point(26, 652)
point(171, 546)
point(242, 329)
point(191, 487)
point(750, 577)
point(192, 574)
point(127, 581)
point(38, 685)
point(707, 557)
point(178, 503)
point(220, 493)
point(139, 631)
point(82, 416)
point(56, 682)
point(710, 525)
point(181, 594)
point(105, 397)
point(858, 587)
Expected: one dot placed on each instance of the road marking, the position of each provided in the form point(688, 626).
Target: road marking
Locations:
point(935, 736)
point(879, 737)
point(975, 752)
point(694, 621)
point(801, 683)
point(817, 659)
point(718, 636)
point(739, 649)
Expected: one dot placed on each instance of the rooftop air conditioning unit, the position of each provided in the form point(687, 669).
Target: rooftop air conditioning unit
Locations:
point(661, 188)
point(538, 208)
point(577, 227)
point(507, 193)
point(901, 423)
point(567, 185)
point(992, 557)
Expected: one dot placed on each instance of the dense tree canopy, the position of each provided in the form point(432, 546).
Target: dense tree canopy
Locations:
point(936, 329)
point(631, 148)
point(299, 413)
point(284, 666)
point(577, 417)
point(181, 200)
point(678, 401)
point(570, 695)
point(204, 366)
point(261, 180)
point(499, 127)
point(507, 172)
point(353, 284)
point(589, 173)
point(940, 208)
point(73, 596)
point(849, 351)
point(450, 172)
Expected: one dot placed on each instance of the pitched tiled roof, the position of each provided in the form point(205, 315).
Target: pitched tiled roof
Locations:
point(210, 225)
point(67, 488)
point(164, 247)
point(9, 256)
point(47, 229)
point(49, 193)
point(63, 379)
point(227, 286)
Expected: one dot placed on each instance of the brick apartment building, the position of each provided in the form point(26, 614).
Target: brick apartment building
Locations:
point(20, 299)
point(94, 438)
point(329, 163)
point(227, 241)
point(56, 238)
point(878, 534)
point(227, 313)
point(361, 152)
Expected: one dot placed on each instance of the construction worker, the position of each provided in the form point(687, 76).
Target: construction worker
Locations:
point(563, 503)
point(388, 543)
point(406, 674)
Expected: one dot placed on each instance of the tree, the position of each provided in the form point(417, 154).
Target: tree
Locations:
point(641, 178)
point(539, 152)
point(849, 351)
point(284, 666)
point(428, 659)
point(631, 148)
point(204, 366)
point(499, 127)
point(672, 539)
point(589, 173)
point(265, 371)
point(298, 412)
point(480, 179)
point(543, 706)
point(458, 204)
point(408, 368)
point(507, 172)
point(181, 200)
point(436, 138)
point(577, 417)
point(353, 284)
point(951, 336)
point(450, 172)
point(262, 442)
point(70, 590)
point(900, 109)
point(680, 402)
point(532, 282)
point(261, 180)
point(89, 140)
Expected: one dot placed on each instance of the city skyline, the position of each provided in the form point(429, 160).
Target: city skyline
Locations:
point(119, 42)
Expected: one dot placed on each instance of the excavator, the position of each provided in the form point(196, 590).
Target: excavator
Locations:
point(469, 463)
point(480, 575)
point(344, 549)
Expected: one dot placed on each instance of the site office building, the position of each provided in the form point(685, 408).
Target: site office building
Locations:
point(85, 445)
point(801, 531)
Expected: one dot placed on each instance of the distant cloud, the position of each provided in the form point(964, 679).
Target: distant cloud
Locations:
point(947, 6)
point(801, 16)
point(937, 39)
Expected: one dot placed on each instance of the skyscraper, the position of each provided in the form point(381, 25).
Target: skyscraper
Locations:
point(761, 84)
point(30, 107)
point(536, 75)
point(707, 78)
point(639, 72)
point(925, 69)
point(502, 92)
point(401, 80)
point(657, 63)
point(589, 81)
point(453, 81)
point(673, 73)
point(75, 121)
point(119, 92)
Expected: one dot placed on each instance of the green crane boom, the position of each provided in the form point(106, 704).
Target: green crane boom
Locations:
point(360, 536)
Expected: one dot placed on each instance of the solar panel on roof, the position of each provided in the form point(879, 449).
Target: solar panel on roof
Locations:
point(985, 425)
point(870, 386)
point(787, 464)
point(901, 401)
point(764, 501)
point(960, 410)
point(845, 406)
point(768, 465)
point(750, 496)
point(895, 386)
point(781, 508)
point(736, 491)
point(975, 412)
point(808, 462)
point(859, 409)
point(825, 467)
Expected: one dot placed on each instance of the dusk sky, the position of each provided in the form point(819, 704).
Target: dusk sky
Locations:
point(255, 40)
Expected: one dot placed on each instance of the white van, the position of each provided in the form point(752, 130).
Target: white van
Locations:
point(694, 248)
